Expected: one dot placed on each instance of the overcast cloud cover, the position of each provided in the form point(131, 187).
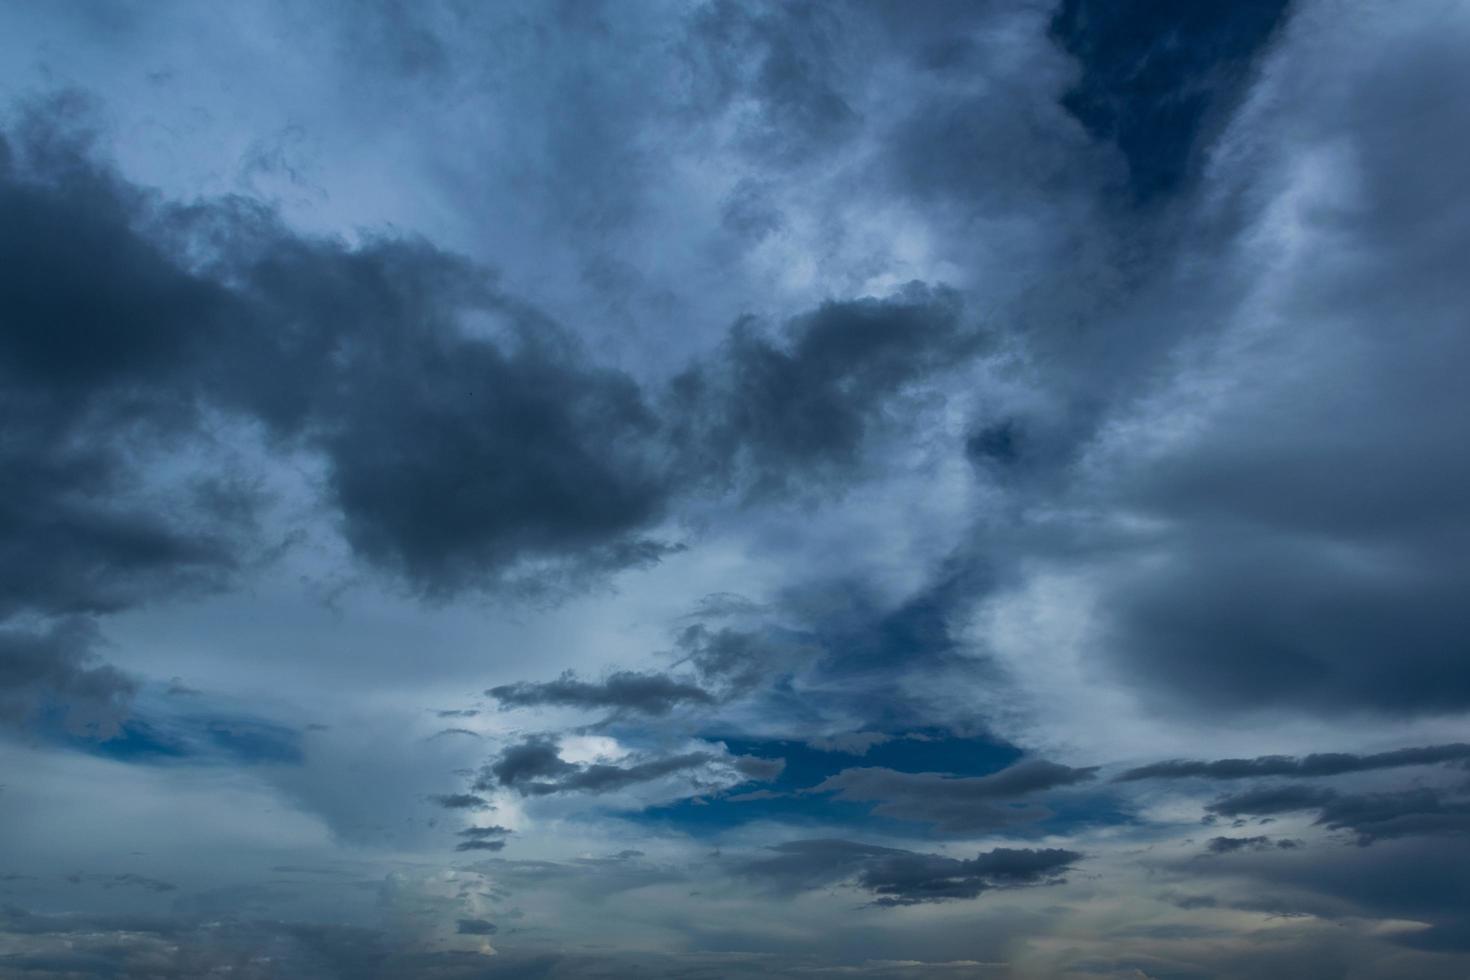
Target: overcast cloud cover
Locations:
point(705, 489)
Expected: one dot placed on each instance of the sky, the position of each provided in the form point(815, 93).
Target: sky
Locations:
point(698, 489)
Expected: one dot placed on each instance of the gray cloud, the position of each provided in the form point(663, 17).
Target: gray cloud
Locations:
point(899, 877)
point(1317, 764)
point(650, 694)
point(955, 803)
point(58, 668)
point(534, 758)
point(914, 878)
point(1259, 506)
point(769, 415)
point(461, 801)
point(453, 458)
point(92, 383)
point(1413, 812)
point(725, 655)
point(477, 833)
point(483, 838)
point(1229, 845)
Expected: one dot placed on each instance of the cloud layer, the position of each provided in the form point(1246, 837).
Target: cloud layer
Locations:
point(725, 489)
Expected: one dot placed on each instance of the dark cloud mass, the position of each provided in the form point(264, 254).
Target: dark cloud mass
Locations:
point(57, 669)
point(483, 839)
point(1229, 845)
point(771, 414)
point(452, 456)
point(461, 801)
point(955, 803)
point(652, 694)
point(1317, 764)
point(1264, 505)
point(1412, 812)
point(898, 877)
point(475, 927)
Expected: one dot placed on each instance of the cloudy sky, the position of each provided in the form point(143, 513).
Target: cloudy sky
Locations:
point(685, 488)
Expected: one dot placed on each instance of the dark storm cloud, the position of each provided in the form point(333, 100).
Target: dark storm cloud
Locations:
point(1424, 880)
point(453, 456)
point(1156, 76)
point(649, 694)
point(1261, 508)
point(58, 669)
point(461, 801)
point(483, 838)
point(771, 415)
point(90, 379)
point(807, 864)
point(475, 927)
point(535, 758)
point(1413, 812)
point(479, 833)
point(450, 456)
point(1317, 764)
point(468, 442)
point(953, 803)
point(915, 878)
point(1320, 650)
point(1229, 845)
point(467, 458)
point(899, 877)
